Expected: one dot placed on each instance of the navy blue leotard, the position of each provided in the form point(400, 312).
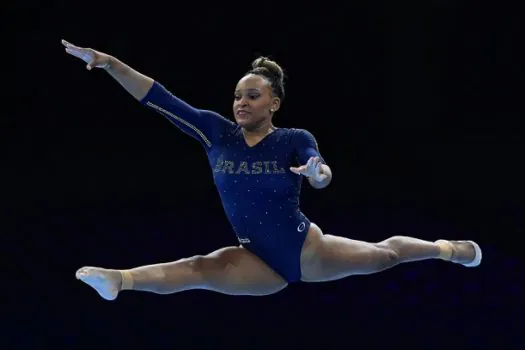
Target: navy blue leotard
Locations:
point(259, 193)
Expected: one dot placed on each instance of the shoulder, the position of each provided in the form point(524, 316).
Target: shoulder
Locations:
point(298, 138)
point(296, 133)
point(301, 136)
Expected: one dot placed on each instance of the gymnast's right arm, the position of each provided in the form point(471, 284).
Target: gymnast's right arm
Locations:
point(200, 124)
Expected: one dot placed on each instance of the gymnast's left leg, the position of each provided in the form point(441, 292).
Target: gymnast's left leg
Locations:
point(328, 258)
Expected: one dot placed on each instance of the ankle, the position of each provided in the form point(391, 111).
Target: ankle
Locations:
point(446, 249)
point(126, 280)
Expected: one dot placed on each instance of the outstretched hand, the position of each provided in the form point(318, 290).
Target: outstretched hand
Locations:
point(311, 169)
point(94, 59)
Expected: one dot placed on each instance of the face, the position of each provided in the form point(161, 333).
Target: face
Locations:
point(254, 102)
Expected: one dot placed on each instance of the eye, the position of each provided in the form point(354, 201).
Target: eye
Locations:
point(251, 96)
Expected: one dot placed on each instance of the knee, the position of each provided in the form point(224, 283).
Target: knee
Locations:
point(395, 243)
point(204, 267)
point(196, 271)
point(392, 256)
point(197, 263)
point(390, 250)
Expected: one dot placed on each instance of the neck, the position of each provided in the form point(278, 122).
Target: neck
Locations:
point(263, 129)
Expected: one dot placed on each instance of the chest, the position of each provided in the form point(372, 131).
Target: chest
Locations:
point(265, 166)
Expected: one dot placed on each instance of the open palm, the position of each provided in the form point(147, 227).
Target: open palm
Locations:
point(311, 169)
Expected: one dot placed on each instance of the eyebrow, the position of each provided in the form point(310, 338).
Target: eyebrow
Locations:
point(249, 90)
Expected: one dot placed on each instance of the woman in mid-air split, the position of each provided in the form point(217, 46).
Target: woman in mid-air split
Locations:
point(258, 170)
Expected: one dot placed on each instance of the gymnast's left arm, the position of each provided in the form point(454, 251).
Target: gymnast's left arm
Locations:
point(311, 163)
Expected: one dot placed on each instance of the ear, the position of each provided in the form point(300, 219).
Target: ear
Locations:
point(275, 104)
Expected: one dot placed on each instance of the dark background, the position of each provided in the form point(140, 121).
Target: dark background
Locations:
point(417, 108)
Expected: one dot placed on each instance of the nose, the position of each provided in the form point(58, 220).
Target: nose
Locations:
point(243, 101)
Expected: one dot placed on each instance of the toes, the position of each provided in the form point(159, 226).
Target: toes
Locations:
point(84, 272)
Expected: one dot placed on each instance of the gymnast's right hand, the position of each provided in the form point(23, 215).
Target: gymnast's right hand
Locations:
point(94, 59)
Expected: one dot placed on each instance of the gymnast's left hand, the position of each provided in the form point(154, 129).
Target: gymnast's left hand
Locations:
point(312, 169)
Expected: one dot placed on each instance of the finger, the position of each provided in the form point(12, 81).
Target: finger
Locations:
point(85, 55)
point(76, 52)
point(91, 65)
point(318, 168)
point(298, 170)
point(69, 45)
point(310, 161)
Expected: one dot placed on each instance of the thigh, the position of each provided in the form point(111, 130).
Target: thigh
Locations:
point(236, 271)
point(328, 257)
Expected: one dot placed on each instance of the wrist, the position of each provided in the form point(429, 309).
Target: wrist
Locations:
point(112, 63)
point(316, 178)
point(319, 176)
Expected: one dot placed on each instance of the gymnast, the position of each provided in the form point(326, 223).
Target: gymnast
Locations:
point(258, 170)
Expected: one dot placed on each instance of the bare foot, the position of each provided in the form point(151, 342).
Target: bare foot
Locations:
point(105, 282)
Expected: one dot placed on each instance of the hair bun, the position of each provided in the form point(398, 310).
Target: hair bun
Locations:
point(273, 68)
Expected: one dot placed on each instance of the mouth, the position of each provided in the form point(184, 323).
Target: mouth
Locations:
point(242, 114)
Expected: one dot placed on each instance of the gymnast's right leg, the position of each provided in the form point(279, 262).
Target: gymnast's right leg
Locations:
point(231, 270)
